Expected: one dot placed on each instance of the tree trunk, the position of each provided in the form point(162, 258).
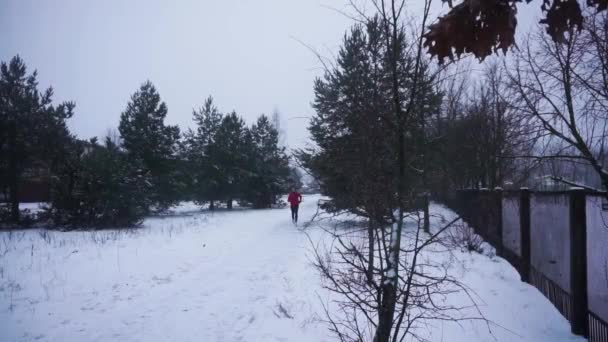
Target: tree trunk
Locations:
point(212, 205)
point(13, 177)
point(386, 312)
point(388, 288)
point(14, 200)
point(229, 204)
point(70, 191)
point(427, 219)
point(370, 256)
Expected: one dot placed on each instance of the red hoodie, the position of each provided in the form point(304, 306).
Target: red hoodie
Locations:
point(294, 198)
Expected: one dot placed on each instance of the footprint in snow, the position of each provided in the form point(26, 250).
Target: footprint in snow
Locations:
point(161, 281)
point(281, 312)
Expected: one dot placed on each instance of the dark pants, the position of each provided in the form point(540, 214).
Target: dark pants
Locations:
point(294, 213)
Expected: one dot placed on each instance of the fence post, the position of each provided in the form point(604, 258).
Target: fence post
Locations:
point(524, 224)
point(484, 205)
point(578, 262)
point(498, 213)
point(468, 202)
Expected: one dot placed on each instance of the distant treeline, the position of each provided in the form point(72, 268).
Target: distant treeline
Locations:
point(146, 166)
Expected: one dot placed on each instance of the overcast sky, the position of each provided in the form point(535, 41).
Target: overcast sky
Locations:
point(244, 53)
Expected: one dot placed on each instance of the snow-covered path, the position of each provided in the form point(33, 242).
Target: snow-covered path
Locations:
point(228, 276)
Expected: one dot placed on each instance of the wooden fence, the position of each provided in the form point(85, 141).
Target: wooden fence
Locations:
point(558, 242)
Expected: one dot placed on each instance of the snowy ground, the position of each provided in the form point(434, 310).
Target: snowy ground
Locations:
point(228, 276)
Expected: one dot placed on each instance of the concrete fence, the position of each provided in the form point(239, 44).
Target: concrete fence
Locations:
point(558, 241)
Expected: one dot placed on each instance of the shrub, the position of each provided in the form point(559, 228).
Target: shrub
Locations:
point(99, 186)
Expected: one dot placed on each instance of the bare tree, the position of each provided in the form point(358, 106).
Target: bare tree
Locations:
point(391, 15)
point(563, 88)
point(422, 287)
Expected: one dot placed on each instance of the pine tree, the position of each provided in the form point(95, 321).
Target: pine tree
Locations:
point(32, 130)
point(148, 140)
point(355, 126)
point(353, 131)
point(100, 186)
point(231, 149)
point(201, 153)
point(270, 172)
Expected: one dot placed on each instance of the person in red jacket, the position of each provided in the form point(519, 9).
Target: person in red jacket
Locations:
point(294, 200)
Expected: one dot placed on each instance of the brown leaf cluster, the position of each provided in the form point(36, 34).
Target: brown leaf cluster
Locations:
point(483, 27)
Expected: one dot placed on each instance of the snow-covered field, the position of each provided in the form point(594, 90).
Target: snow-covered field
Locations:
point(243, 275)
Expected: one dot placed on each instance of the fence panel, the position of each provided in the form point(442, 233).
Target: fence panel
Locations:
point(556, 295)
point(465, 203)
point(486, 216)
point(550, 237)
point(511, 230)
point(493, 219)
point(554, 237)
point(597, 267)
point(598, 329)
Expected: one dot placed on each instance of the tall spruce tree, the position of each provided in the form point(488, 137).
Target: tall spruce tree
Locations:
point(231, 149)
point(147, 139)
point(353, 129)
point(202, 154)
point(32, 130)
point(269, 174)
point(355, 126)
